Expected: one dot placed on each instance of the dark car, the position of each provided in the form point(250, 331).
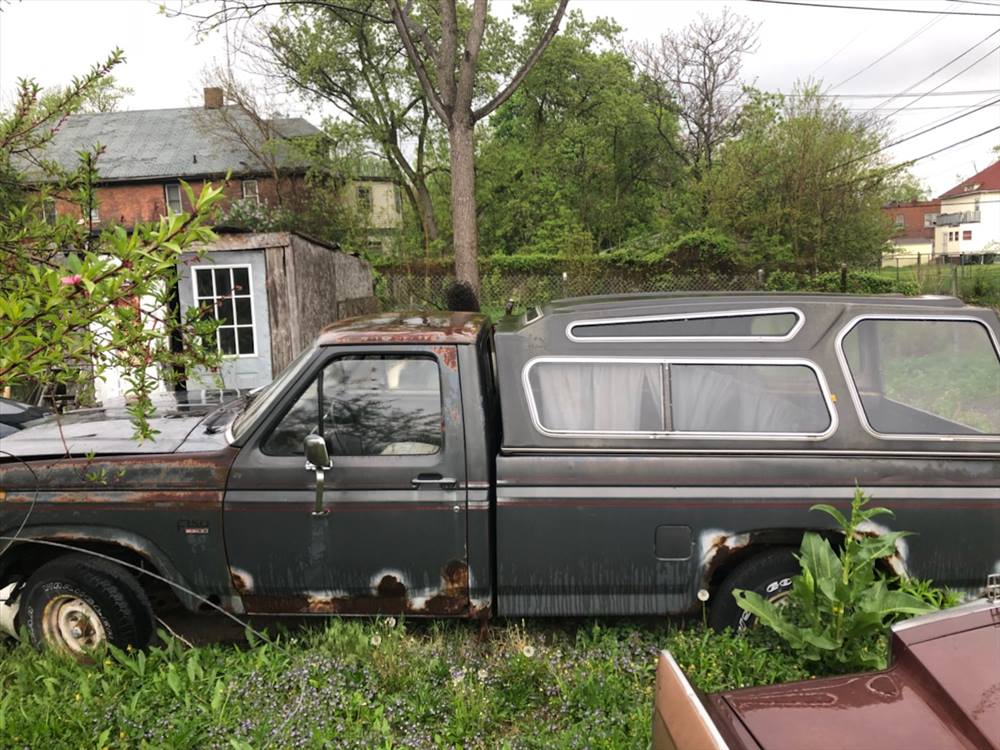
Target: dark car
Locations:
point(15, 415)
point(942, 692)
point(597, 456)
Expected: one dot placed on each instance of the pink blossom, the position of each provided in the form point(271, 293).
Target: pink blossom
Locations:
point(71, 280)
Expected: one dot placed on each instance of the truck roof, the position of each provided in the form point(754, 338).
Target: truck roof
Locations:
point(406, 327)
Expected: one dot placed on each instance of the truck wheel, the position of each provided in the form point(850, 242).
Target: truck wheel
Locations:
point(75, 603)
point(768, 574)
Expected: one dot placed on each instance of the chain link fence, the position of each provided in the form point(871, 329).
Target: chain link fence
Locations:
point(402, 290)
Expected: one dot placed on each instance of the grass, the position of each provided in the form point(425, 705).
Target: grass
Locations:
point(976, 284)
point(374, 684)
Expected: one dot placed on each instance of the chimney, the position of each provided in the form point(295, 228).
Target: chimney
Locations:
point(213, 98)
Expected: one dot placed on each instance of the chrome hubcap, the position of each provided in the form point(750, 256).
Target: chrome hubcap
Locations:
point(71, 625)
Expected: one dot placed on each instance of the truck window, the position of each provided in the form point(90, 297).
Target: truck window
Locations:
point(930, 377)
point(778, 324)
point(367, 405)
point(747, 398)
point(573, 395)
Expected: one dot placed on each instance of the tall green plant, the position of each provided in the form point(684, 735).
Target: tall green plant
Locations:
point(840, 606)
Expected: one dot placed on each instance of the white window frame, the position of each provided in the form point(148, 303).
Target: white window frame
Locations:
point(856, 396)
point(198, 300)
point(167, 201)
point(757, 312)
point(247, 195)
point(824, 388)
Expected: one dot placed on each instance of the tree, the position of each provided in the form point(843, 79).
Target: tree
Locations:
point(906, 187)
point(73, 305)
point(447, 69)
point(336, 54)
point(803, 185)
point(695, 74)
point(571, 162)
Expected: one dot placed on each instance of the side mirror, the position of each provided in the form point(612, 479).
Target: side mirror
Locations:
point(317, 456)
point(318, 460)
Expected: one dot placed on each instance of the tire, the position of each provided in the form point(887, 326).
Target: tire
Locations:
point(768, 574)
point(76, 603)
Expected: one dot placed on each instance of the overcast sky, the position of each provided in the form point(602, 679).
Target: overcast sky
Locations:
point(52, 40)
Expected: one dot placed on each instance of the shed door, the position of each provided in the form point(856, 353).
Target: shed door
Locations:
point(394, 538)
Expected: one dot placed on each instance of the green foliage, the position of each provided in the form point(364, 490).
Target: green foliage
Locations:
point(570, 164)
point(374, 684)
point(74, 304)
point(839, 607)
point(802, 185)
point(706, 251)
point(858, 282)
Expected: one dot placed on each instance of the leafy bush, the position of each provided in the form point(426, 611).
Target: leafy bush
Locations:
point(706, 251)
point(839, 607)
point(858, 282)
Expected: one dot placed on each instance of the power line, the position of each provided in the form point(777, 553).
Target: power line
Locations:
point(952, 145)
point(900, 95)
point(938, 70)
point(963, 70)
point(898, 47)
point(868, 7)
point(983, 103)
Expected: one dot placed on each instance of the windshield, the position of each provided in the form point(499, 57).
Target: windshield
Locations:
point(261, 401)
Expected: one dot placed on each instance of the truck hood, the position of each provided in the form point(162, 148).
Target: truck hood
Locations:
point(181, 422)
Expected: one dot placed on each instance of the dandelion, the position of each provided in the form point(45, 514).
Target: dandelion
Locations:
point(528, 651)
point(376, 640)
point(482, 674)
point(390, 622)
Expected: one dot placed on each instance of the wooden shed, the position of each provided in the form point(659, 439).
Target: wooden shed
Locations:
point(273, 292)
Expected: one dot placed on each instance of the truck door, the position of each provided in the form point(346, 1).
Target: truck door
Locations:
point(391, 533)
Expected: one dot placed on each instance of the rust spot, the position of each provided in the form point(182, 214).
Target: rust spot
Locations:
point(448, 355)
point(390, 597)
point(422, 327)
point(240, 583)
point(201, 471)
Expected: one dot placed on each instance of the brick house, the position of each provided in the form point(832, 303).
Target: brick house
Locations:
point(913, 225)
point(273, 291)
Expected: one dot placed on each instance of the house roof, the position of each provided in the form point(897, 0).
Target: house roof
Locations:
point(988, 179)
point(181, 143)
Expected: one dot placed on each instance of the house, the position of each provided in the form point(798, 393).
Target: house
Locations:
point(147, 153)
point(273, 291)
point(969, 222)
point(913, 225)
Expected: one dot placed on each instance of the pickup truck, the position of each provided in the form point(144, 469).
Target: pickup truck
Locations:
point(597, 456)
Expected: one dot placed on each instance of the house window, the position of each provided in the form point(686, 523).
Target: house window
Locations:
point(930, 220)
point(966, 234)
point(364, 195)
point(900, 220)
point(228, 296)
point(49, 211)
point(251, 192)
point(172, 194)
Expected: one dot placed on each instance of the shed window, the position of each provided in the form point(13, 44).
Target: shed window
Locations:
point(743, 325)
point(49, 211)
point(172, 194)
point(364, 195)
point(925, 377)
point(367, 405)
point(709, 397)
point(226, 292)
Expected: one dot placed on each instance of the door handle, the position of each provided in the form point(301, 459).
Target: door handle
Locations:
point(422, 480)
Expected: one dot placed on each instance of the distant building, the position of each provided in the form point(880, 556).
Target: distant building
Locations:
point(969, 222)
point(913, 225)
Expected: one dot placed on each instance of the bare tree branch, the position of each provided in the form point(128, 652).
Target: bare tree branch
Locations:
point(526, 67)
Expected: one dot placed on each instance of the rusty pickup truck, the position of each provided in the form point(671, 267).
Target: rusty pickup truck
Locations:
point(596, 456)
